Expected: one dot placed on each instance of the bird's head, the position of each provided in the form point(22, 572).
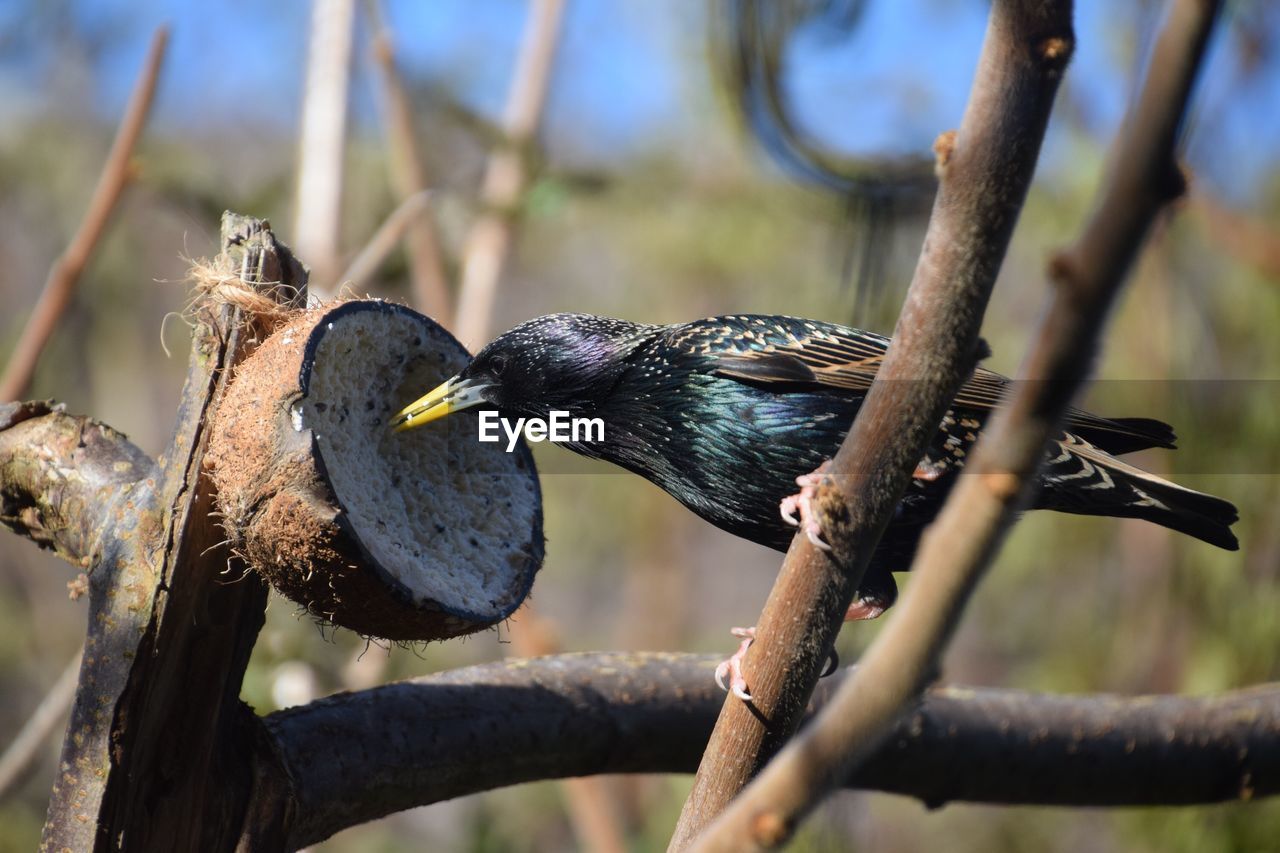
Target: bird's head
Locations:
point(560, 361)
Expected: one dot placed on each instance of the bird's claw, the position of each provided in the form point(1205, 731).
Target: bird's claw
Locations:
point(732, 668)
point(802, 503)
point(928, 471)
point(813, 532)
point(788, 508)
point(866, 608)
point(833, 663)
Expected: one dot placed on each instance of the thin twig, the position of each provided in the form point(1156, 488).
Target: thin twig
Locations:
point(614, 712)
point(594, 814)
point(45, 720)
point(408, 178)
point(1246, 238)
point(984, 172)
point(490, 238)
point(384, 240)
point(61, 282)
point(960, 545)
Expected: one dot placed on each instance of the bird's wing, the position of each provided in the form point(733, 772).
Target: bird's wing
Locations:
point(817, 358)
point(808, 356)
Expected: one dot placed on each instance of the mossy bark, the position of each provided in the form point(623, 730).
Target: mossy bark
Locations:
point(156, 755)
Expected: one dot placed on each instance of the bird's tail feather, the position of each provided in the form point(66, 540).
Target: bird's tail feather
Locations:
point(1116, 488)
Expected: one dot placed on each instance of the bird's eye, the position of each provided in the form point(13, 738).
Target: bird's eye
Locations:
point(498, 365)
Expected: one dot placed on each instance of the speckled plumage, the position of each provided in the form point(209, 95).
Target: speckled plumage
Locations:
point(724, 413)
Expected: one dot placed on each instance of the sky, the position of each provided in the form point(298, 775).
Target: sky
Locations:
point(631, 77)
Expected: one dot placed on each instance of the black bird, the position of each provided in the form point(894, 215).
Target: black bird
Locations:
point(727, 414)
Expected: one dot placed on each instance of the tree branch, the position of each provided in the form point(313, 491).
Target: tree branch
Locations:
point(61, 477)
point(392, 230)
point(66, 270)
point(483, 727)
point(984, 171)
point(32, 739)
point(962, 542)
point(151, 754)
point(1250, 240)
point(408, 178)
point(490, 237)
point(317, 215)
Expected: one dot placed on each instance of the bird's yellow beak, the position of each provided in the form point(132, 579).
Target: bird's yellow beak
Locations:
point(444, 399)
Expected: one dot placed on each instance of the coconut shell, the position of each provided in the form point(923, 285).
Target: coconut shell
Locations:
point(420, 535)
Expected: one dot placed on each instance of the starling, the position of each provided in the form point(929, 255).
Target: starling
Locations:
point(728, 414)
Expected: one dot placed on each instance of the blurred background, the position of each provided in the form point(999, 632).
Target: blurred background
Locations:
point(661, 161)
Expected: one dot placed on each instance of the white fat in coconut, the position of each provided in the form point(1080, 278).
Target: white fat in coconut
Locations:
point(420, 498)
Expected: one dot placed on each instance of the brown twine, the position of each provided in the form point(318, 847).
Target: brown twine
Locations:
point(268, 305)
point(267, 302)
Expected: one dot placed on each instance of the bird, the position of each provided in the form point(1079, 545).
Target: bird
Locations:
point(729, 414)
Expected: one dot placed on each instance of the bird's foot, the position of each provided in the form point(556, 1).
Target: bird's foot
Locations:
point(802, 503)
point(928, 470)
point(866, 608)
point(732, 668)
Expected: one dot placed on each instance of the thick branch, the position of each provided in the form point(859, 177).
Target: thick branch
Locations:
point(498, 724)
point(153, 755)
point(61, 476)
point(985, 170)
point(961, 544)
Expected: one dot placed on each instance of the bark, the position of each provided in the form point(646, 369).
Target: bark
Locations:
point(354, 757)
point(985, 169)
point(961, 544)
point(153, 757)
point(61, 477)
